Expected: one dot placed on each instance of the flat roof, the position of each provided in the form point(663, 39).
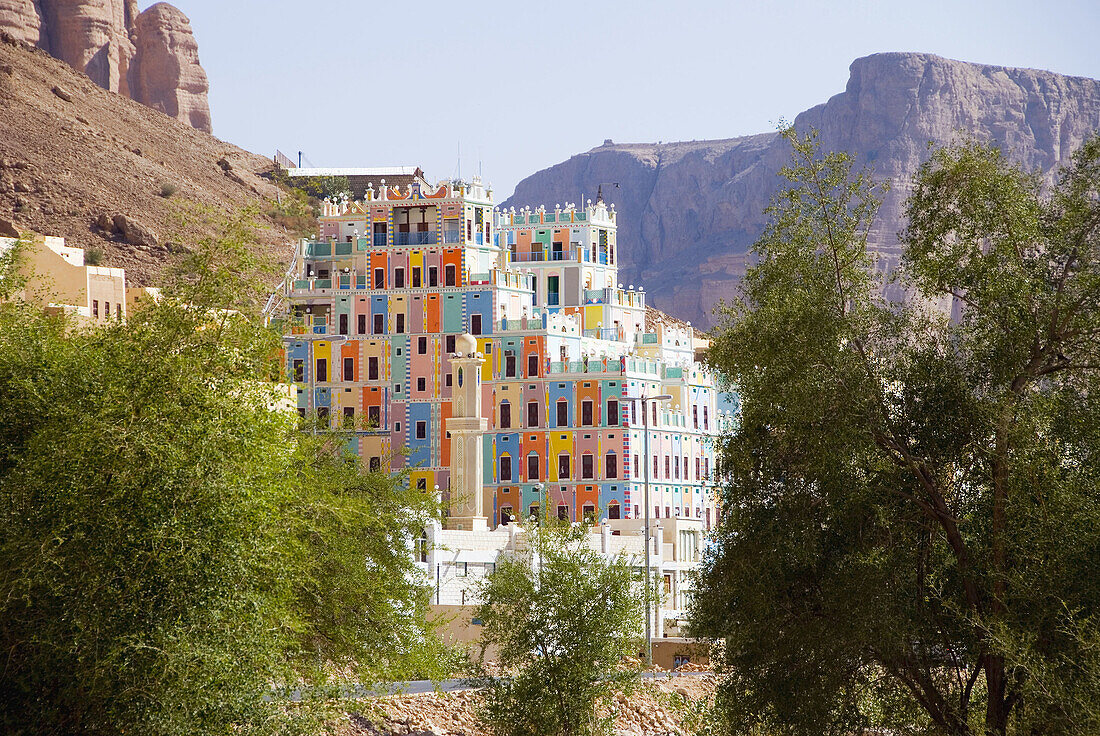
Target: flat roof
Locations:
point(372, 171)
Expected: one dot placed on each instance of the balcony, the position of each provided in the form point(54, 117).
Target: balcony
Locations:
point(528, 257)
point(414, 238)
point(452, 236)
point(379, 240)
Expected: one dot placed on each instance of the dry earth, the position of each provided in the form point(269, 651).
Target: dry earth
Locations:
point(656, 707)
point(71, 152)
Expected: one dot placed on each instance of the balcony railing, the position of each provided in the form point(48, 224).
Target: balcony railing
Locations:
point(414, 238)
point(452, 236)
point(528, 257)
point(379, 240)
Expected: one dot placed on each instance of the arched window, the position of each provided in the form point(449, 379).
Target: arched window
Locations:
point(587, 466)
point(612, 412)
point(505, 515)
point(533, 467)
point(614, 510)
point(505, 467)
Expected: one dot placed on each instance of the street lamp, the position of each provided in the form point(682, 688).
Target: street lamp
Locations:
point(311, 368)
point(644, 400)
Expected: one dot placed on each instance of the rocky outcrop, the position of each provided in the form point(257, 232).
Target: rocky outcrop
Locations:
point(690, 211)
point(167, 75)
point(151, 57)
point(22, 20)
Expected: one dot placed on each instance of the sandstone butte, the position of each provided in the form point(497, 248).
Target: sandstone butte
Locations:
point(690, 210)
point(151, 57)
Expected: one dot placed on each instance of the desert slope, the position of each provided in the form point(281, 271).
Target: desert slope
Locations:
point(65, 162)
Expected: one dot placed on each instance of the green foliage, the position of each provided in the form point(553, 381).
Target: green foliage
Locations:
point(93, 256)
point(167, 189)
point(911, 527)
point(174, 554)
point(296, 212)
point(563, 620)
point(12, 278)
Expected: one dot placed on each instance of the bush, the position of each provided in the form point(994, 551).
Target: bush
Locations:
point(564, 620)
point(93, 256)
point(167, 189)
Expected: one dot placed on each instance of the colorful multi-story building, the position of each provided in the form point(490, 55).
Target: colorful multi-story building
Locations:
point(377, 303)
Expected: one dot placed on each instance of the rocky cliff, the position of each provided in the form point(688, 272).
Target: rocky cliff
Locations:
point(690, 211)
point(151, 57)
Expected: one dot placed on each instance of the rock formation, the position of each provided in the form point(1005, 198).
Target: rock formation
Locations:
point(151, 57)
point(690, 211)
point(166, 74)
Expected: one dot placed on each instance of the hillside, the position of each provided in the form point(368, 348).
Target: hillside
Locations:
point(690, 211)
point(72, 153)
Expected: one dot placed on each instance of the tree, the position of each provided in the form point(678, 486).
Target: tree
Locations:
point(174, 553)
point(563, 620)
point(911, 527)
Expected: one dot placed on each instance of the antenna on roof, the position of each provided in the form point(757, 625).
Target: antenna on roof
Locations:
point(458, 164)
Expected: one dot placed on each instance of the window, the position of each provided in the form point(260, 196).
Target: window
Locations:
point(505, 415)
point(421, 484)
point(505, 468)
point(322, 369)
point(107, 310)
point(635, 466)
point(400, 324)
point(510, 366)
point(421, 383)
point(653, 411)
point(695, 416)
point(533, 511)
point(449, 343)
point(433, 276)
point(422, 345)
point(552, 291)
point(362, 324)
point(349, 417)
point(614, 511)
point(532, 365)
point(588, 513)
point(397, 388)
point(422, 547)
point(532, 414)
point(655, 475)
point(532, 467)
point(372, 369)
point(379, 324)
point(343, 324)
point(447, 380)
point(397, 426)
point(118, 311)
point(475, 324)
point(349, 369)
point(633, 412)
point(374, 415)
point(586, 412)
point(706, 422)
point(399, 278)
point(612, 413)
point(563, 466)
point(586, 466)
point(449, 275)
point(322, 415)
point(421, 430)
point(668, 465)
point(696, 468)
point(685, 467)
point(95, 308)
point(706, 467)
point(299, 370)
point(611, 465)
point(563, 413)
point(379, 278)
point(668, 512)
point(416, 277)
point(375, 464)
point(563, 512)
point(676, 467)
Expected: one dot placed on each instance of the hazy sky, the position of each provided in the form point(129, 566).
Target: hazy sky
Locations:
point(521, 86)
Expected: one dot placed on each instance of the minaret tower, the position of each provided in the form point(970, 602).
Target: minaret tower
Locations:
point(467, 427)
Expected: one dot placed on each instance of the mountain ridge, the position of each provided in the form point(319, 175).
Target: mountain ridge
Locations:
point(690, 210)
